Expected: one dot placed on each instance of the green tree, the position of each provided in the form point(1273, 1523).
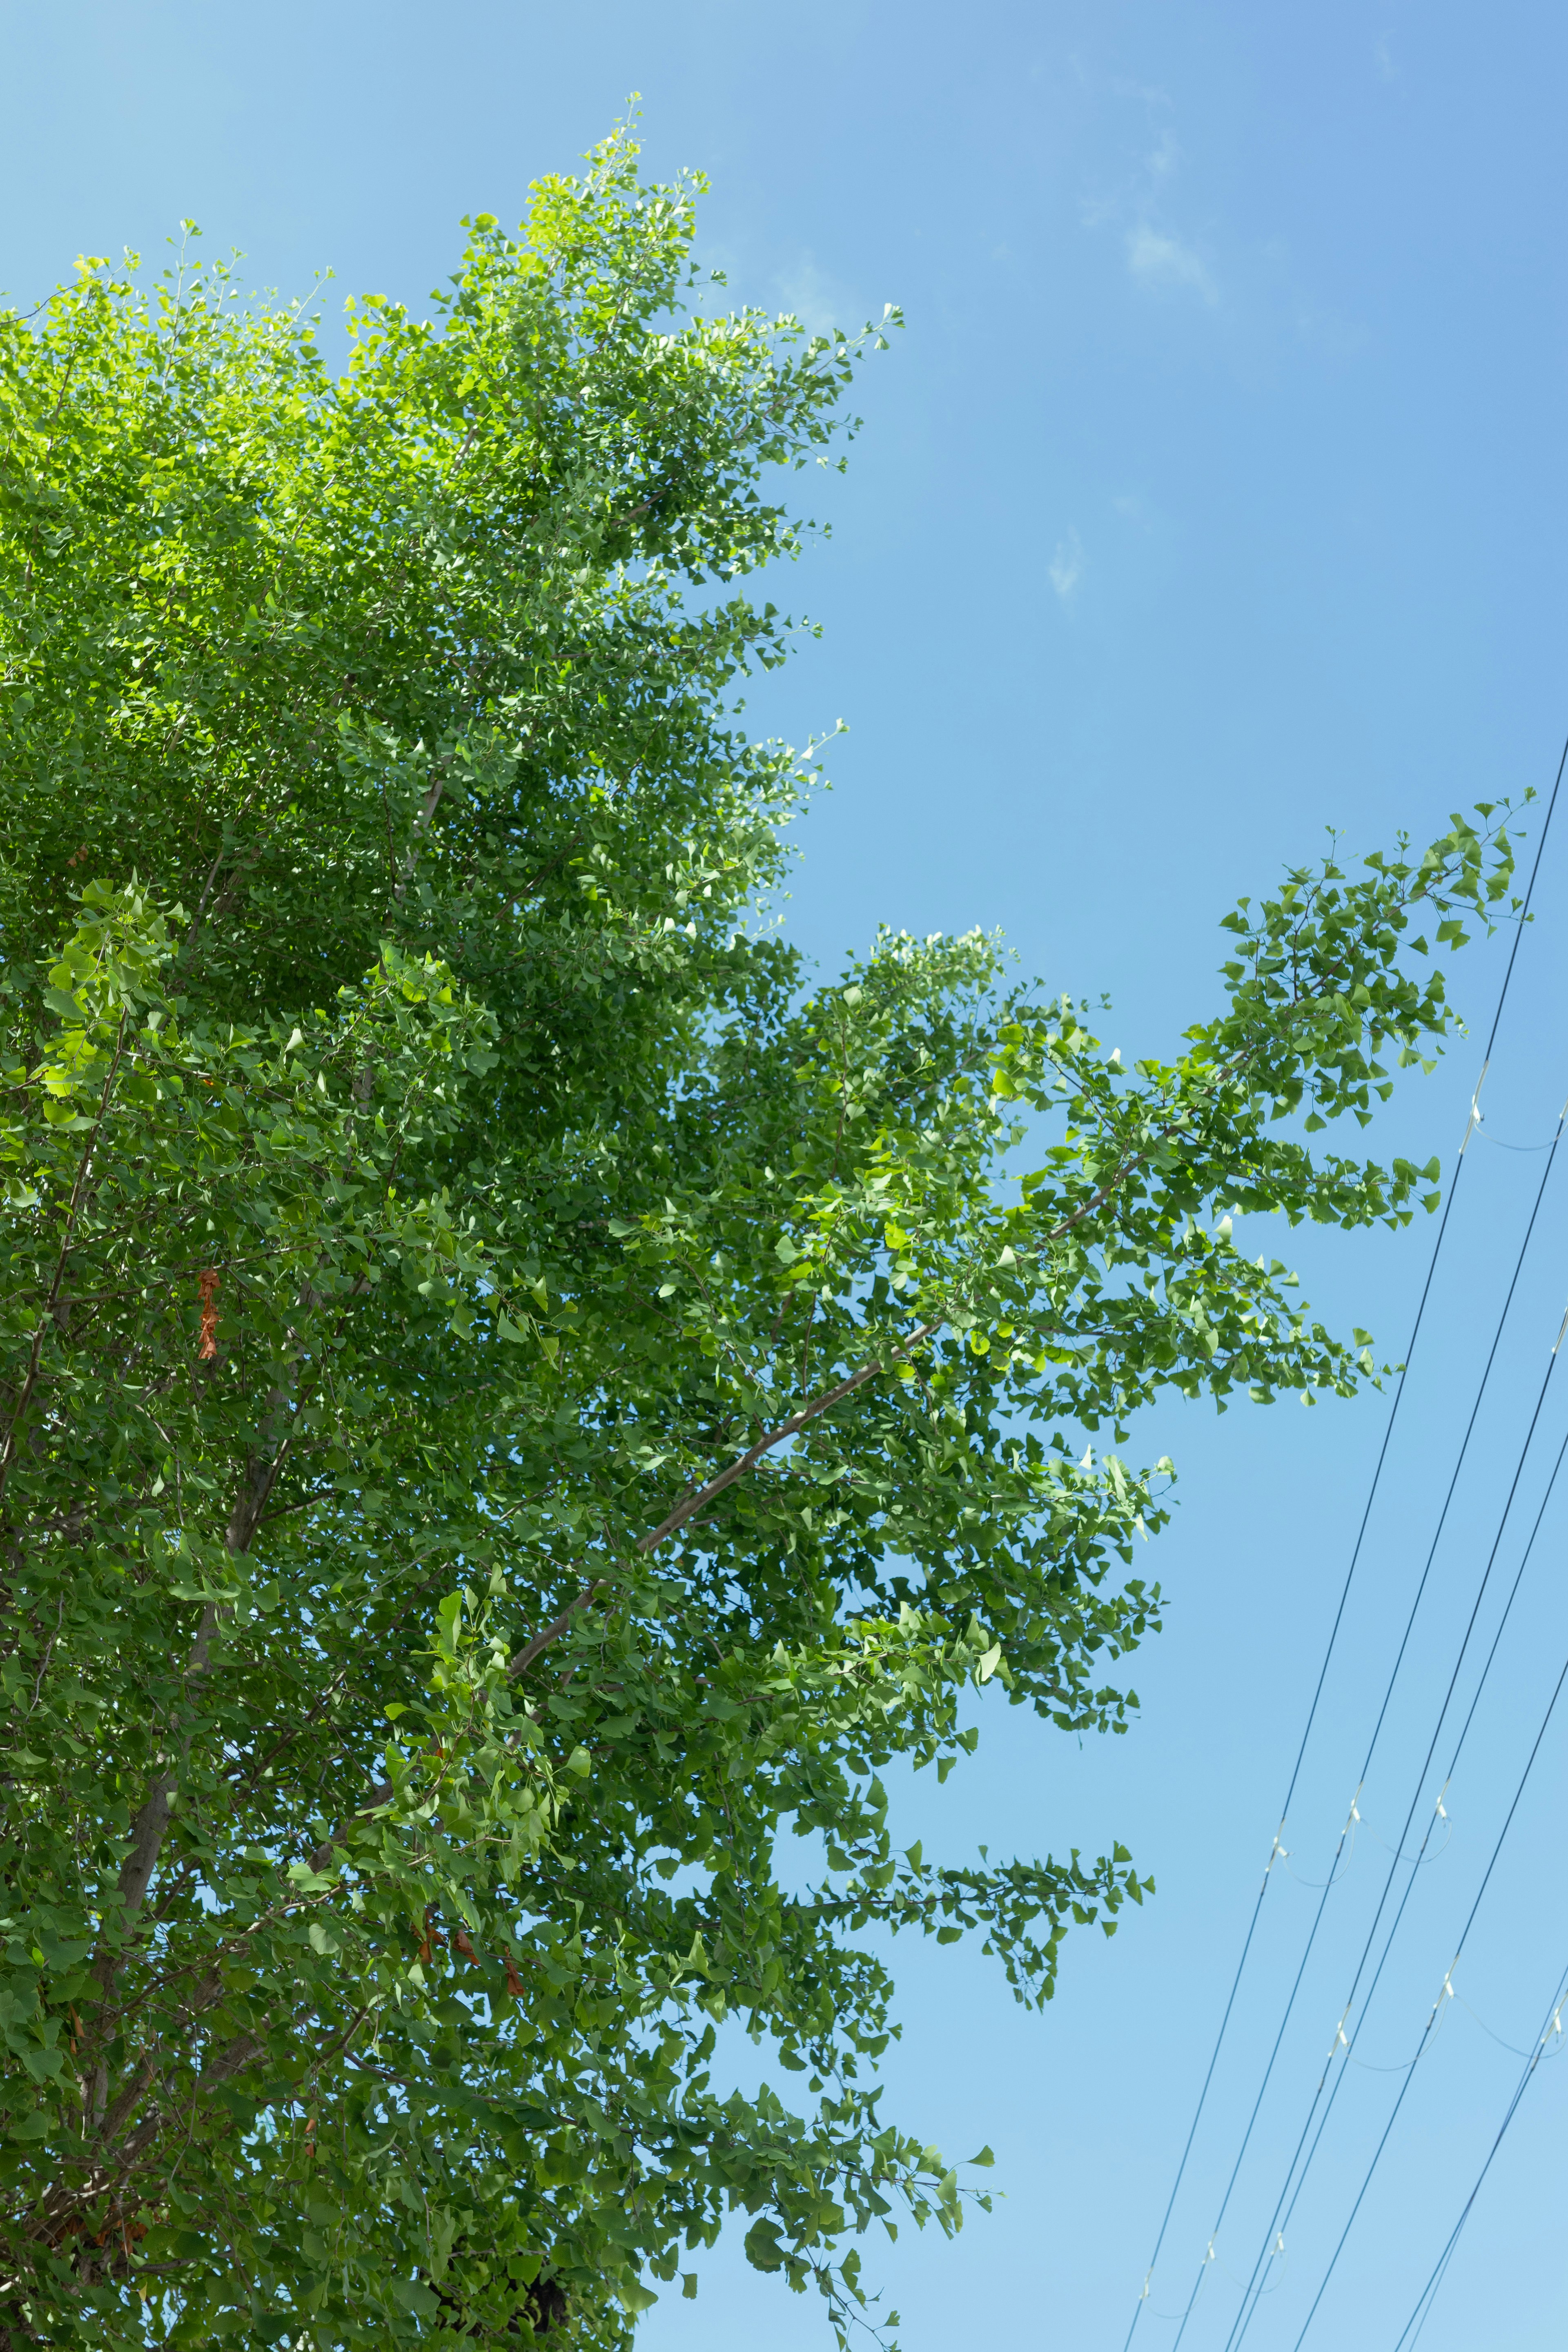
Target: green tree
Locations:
point(511, 1401)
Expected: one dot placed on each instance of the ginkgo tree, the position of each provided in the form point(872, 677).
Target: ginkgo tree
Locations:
point(513, 1405)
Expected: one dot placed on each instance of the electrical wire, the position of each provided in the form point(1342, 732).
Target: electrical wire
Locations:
point(1552, 2026)
point(1445, 1994)
point(1524, 909)
point(1355, 1555)
point(1353, 1815)
point(1275, 1849)
point(1283, 2211)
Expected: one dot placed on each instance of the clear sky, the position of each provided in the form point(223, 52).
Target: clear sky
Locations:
point(1213, 494)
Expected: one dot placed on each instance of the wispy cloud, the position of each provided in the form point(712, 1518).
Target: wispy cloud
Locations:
point(1158, 256)
point(1066, 566)
point(1155, 257)
point(1147, 94)
point(821, 302)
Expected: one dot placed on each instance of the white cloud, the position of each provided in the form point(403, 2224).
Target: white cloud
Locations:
point(1095, 211)
point(1140, 206)
point(1157, 258)
point(1066, 565)
point(820, 302)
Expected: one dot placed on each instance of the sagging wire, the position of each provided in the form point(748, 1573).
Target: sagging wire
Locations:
point(1550, 2031)
point(1418, 1861)
point(1446, 1993)
point(1212, 2261)
point(1511, 2047)
point(1488, 1137)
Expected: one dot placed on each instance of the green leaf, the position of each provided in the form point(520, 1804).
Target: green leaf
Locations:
point(763, 2251)
point(415, 2299)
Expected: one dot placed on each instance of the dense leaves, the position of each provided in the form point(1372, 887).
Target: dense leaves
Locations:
point(510, 1405)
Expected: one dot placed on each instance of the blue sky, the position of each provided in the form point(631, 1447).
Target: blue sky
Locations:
point(1212, 495)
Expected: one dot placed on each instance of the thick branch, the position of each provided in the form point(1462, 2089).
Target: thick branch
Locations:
point(151, 1825)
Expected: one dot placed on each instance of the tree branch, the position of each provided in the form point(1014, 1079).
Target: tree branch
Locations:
point(691, 1504)
point(8, 1454)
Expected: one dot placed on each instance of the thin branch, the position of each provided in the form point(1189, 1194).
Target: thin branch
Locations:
point(688, 1508)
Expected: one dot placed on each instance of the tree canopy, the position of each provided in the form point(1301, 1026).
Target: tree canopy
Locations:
point(514, 1402)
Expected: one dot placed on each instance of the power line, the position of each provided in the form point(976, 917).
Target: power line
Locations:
point(1281, 2214)
point(1295, 1772)
point(1377, 1729)
point(1352, 1814)
point(1524, 910)
point(1349, 1574)
point(1453, 1766)
point(1552, 2025)
point(1280, 2218)
point(1444, 1992)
